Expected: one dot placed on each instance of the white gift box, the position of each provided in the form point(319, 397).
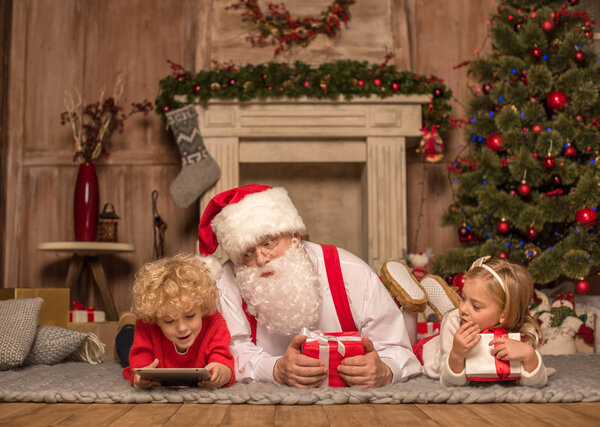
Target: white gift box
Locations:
point(480, 365)
point(84, 316)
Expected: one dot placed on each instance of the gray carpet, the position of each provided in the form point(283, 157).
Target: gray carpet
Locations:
point(577, 380)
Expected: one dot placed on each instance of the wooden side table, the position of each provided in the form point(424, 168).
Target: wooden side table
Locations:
point(86, 256)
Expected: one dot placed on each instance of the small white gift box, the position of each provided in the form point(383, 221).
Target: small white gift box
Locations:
point(480, 365)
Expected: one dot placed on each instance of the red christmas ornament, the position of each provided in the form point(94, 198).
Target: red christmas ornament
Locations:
point(486, 88)
point(463, 233)
point(588, 33)
point(459, 282)
point(503, 227)
point(548, 162)
point(556, 180)
point(494, 142)
point(503, 255)
point(579, 57)
point(570, 152)
point(524, 189)
point(537, 128)
point(377, 82)
point(306, 83)
point(579, 118)
point(548, 25)
point(582, 286)
point(196, 88)
point(395, 86)
point(556, 100)
point(166, 108)
point(536, 53)
point(532, 233)
point(586, 217)
point(438, 93)
point(471, 237)
point(361, 83)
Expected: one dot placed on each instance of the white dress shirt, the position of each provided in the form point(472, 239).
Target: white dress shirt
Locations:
point(373, 310)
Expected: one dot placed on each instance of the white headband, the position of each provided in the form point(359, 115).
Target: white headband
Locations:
point(480, 263)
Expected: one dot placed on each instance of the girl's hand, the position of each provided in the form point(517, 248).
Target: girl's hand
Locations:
point(220, 375)
point(465, 338)
point(508, 349)
point(145, 383)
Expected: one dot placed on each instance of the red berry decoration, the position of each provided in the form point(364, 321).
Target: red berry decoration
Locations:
point(307, 83)
point(438, 93)
point(579, 57)
point(537, 128)
point(532, 233)
point(570, 152)
point(494, 142)
point(459, 282)
point(548, 25)
point(486, 88)
point(588, 33)
point(536, 53)
point(524, 189)
point(586, 217)
point(395, 86)
point(166, 108)
point(582, 286)
point(548, 162)
point(503, 227)
point(556, 100)
point(579, 118)
point(377, 82)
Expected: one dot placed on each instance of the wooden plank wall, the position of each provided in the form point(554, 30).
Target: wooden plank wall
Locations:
point(84, 44)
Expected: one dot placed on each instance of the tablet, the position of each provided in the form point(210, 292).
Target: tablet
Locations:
point(174, 376)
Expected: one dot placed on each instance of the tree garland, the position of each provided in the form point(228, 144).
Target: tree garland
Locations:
point(331, 80)
point(285, 31)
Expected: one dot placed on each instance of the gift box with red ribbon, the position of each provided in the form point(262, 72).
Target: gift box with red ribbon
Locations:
point(427, 329)
point(480, 365)
point(331, 348)
point(82, 314)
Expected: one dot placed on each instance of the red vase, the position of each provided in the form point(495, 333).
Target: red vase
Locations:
point(86, 203)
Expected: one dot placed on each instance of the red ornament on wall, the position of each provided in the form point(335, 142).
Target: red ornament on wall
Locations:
point(377, 82)
point(503, 227)
point(556, 100)
point(582, 286)
point(494, 142)
point(524, 189)
point(586, 217)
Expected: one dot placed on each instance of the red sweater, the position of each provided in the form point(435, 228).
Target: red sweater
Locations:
point(211, 345)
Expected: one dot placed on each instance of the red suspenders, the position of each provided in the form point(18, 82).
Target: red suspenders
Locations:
point(338, 293)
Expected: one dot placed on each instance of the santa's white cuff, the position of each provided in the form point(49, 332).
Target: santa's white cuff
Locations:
point(264, 369)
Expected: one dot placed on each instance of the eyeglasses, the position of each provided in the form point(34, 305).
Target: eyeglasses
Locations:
point(268, 249)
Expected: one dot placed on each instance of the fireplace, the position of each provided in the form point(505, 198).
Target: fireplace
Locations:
point(350, 154)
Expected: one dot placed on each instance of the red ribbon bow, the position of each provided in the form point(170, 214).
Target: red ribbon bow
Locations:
point(502, 366)
point(90, 310)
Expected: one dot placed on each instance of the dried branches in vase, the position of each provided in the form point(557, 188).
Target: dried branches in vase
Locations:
point(94, 124)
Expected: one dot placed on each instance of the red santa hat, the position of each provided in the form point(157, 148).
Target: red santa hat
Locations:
point(240, 217)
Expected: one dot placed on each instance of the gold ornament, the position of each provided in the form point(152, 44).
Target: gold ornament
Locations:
point(531, 251)
point(556, 44)
point(215, 86)
point(248, 85)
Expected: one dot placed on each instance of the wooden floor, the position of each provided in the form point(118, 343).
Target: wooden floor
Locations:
point(500, 414)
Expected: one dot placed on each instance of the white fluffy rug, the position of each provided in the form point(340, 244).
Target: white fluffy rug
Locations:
point(577, 380)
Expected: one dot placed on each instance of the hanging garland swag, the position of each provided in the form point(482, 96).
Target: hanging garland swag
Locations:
point(278, 27)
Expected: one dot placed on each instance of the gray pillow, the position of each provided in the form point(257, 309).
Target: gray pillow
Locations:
point(53, 344)
point(18, 324)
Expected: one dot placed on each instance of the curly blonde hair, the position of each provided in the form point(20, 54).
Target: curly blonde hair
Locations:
point(515, 302)
point(172, 285)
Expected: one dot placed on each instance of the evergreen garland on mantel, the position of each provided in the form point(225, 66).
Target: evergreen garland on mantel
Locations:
point(331, 80)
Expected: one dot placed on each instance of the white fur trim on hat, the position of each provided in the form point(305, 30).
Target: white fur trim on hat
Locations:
point(212, 265)
point(242, 224)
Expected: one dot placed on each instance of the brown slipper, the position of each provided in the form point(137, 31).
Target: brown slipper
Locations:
point(441, 297)
point(402, 285)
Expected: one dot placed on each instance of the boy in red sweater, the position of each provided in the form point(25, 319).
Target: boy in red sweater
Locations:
point(178, 325)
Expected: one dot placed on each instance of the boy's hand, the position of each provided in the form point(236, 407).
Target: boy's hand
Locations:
point(220, 375)
point(465, 338)
point(508, 349)
point(145, 383)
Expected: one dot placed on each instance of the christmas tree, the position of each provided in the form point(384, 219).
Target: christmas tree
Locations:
point(529, 188)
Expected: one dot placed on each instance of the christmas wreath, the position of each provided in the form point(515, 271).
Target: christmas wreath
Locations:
point(330, 80)
point(282, 30)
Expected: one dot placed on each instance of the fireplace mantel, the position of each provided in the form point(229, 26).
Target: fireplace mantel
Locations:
point(370, 131)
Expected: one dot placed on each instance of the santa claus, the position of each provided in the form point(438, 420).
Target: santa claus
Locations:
point(275, 284)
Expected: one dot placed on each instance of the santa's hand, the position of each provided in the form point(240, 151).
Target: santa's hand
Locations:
point(365, 371)
point(146, 383)
point(297, 370)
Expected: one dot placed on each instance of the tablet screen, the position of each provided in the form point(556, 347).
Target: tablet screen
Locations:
point(174, 376)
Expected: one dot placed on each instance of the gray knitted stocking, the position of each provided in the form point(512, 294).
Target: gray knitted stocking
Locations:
point(199, 170)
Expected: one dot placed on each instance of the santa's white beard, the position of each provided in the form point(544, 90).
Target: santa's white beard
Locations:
point(289, 299)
